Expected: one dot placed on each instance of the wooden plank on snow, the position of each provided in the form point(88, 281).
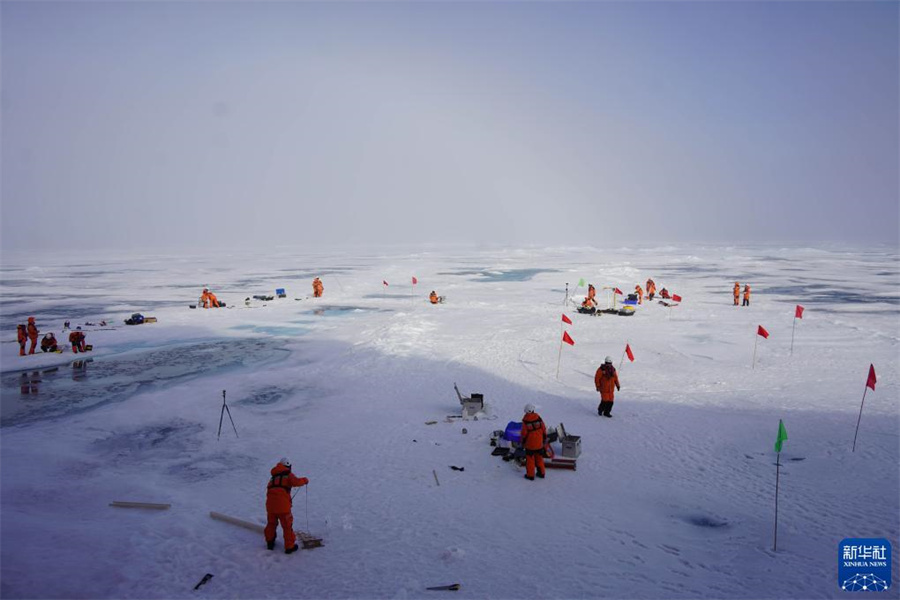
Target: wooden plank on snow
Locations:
point(122, 504)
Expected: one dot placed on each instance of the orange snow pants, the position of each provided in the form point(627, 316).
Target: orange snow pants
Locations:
point(532, 457)
point(287, 526)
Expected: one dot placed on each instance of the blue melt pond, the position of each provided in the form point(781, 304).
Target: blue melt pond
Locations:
point(495, 275)
point(282, 330)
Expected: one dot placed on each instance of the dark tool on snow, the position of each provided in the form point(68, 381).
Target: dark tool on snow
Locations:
point(455, 468)
point(222, 416)
point(206, 578)
point(452, 587)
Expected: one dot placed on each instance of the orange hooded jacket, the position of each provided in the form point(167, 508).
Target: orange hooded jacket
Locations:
point(606, 380)
point(533, 431)
point(278, 494)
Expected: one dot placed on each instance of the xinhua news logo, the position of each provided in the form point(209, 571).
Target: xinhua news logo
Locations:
point(864, 564)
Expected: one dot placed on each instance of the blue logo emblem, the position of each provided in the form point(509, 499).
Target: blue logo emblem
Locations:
point(864, 564)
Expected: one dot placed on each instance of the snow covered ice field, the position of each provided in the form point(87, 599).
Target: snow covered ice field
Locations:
point(672, 498)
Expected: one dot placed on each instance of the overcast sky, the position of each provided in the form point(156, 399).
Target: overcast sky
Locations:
point(177, 124)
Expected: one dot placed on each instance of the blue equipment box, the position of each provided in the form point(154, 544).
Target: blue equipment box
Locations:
point(513, 432)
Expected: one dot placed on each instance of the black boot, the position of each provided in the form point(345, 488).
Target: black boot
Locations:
point(529, 478)
point(270, 545)
point(294, 549)
point(607, 415)
point(540, 474)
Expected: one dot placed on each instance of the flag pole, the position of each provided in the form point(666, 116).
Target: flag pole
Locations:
point(777, 473)
point(559, 358)
point(866, 389)
point(755, 343)
point(621, 362)
point(566, 301)
point(793, 325)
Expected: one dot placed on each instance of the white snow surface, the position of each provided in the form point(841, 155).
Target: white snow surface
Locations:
point(672, 498)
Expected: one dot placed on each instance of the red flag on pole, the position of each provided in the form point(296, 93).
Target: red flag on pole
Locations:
point(629, 353)
point(798, 312)
point(762, 331)
point(619, 292)
point(415, 281)
point(384, 283)
point(676, 297)
point(870, 382)
point(566, 319)
point(568, 339)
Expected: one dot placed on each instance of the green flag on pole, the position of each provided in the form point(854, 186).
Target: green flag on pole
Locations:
point(581, 282)
point(782, 435)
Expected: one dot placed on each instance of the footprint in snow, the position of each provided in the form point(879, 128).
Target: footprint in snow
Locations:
point(453, 553)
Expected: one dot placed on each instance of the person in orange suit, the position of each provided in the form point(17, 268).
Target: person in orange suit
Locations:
point(49, 344)
point(651, 289)
point(76, 338)
point(318, 288)
point(640, 294)
point(746, 295)
point(22, 333)
point(278, 505)
point(737, 292)
point(664, 294)
point(590, 301)
point(534, 438)
point(433, 297)
point(208, 299)
point(606, 380)
point(32, 334)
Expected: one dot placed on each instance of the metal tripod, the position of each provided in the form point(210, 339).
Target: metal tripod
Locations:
point(222, 416)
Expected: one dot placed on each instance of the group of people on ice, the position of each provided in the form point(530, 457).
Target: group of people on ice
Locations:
point(279, 502)
point(30, 332)
point(590, 301)
point(25, 333)
point(534, 432)
point(209, 300)
point(737, 293)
